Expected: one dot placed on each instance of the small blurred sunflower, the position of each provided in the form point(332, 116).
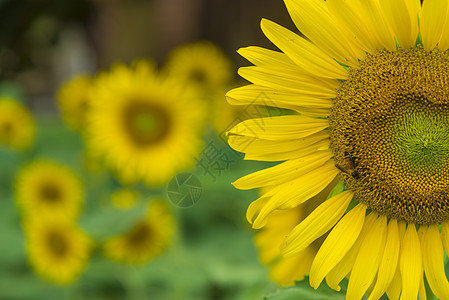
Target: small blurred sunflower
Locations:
point(73, 101)
point(146, 239)
point(57, 249)
point(47, 187)
point(125, 198)
point(17, 128)
point(145, 127)
point(202, 64)
point(286, 270)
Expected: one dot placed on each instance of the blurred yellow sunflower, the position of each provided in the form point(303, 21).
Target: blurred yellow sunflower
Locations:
point(73, 101)
point(46, 187)
point(147, 128)
point(125, 198)
point(370, 87)
point(146, 239)
point(57, 249)
point(286, 270)
point(17, 128)
point(200, 63)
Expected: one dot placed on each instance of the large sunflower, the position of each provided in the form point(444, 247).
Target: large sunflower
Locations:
point(147, 128)
point(17, 128)
point(146, 239)
point(57, 249)
point(368, 92)
point(46, 187)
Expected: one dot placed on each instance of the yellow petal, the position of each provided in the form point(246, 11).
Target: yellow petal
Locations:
point(433, 261)
point(402, 15)
point(394, 290)
point(293, 193)
point(343, 268)
point(256, 207)
point(313, 112)
point(422, 290)
point(313, 20)
point(445, 236)
point(377, 24)
point(443, 44)
point(271, 154)
point(320, 221)
point(264, 57)
point(432, 21)
point(389, 263)
point(410, 263)
point(258, 95)
point(266, 150)
point(368, 259)
point(349, 16)
point(306, 55)
point(283, 172)
point(337, 244)
point(280, 128)
point(290, 81)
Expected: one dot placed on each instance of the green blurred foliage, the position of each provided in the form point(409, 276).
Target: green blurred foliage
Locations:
point(212, 255)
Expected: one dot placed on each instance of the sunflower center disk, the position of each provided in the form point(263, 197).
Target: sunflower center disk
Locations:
point(146, 124)
point(57, 244)
point(389, 131)
point(140, 235)
point(6, 132)
point(50, 193)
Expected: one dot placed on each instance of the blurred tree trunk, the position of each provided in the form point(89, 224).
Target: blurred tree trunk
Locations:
point(177, 22)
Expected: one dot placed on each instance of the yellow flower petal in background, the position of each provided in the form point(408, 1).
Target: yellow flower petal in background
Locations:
point(291, 269)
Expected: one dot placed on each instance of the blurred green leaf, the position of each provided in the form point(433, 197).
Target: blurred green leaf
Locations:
point(304, 291)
